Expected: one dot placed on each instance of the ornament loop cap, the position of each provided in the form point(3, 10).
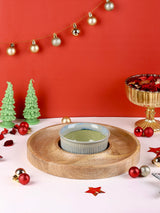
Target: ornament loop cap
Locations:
point(12, 45)
point(54, 35)
point(90, 14)
point(74, 25)
point(33, 42)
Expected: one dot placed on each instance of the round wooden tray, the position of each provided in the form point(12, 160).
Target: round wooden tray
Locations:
point(44, 152)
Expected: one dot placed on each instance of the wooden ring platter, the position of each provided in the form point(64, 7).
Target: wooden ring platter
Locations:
point(44, 152)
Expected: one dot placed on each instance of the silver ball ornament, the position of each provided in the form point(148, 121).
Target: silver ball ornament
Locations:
point(109, 5)
point(11, 50)
point(92, 19)
point(56, 41)
point(75, 30)
point(34, 48)
point(145, 171)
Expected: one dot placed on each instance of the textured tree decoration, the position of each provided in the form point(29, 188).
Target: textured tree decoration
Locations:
point(31, 110)
point(7, 114)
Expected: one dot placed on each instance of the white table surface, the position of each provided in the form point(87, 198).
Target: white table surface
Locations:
point(50, 194)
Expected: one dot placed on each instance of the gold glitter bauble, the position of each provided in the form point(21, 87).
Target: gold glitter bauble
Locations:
point(11, 50)
point(34, 48)
point(66, 120)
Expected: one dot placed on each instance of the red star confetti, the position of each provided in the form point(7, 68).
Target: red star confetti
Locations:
point(94, 191)
point(5, 131)
point(154, 150)
point(1, 136)
point(13, 131)
point(8, 143)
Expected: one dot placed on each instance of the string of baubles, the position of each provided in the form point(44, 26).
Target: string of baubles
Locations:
point(56, 41)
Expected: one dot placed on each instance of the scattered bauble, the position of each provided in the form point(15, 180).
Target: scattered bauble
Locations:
point(138, 131)
point(22, 130)
point(24, 123)
point(19, 171)
point(24, 178)
point(156, 161)
point(144, 171)
point(134, 172)
point(148, 132)
point(66, 120)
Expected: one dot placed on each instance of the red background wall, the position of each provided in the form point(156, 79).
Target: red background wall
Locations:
point(85, 75)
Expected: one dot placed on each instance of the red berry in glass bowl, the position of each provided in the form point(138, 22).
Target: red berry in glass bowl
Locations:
point(24, 178)
point(148, 132)
point(24, 123)
point(22, 130)
point(138, 131)
point(134, 172)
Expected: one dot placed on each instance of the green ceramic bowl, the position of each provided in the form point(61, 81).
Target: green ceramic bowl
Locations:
point(84, 138)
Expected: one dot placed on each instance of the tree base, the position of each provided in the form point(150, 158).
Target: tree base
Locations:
point(7, 124)
point(33, 121)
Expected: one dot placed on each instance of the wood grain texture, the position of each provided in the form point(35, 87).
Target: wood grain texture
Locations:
point(44, 153)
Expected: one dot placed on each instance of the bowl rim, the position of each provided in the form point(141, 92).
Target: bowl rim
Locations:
point(85, 142)
point(139, 75)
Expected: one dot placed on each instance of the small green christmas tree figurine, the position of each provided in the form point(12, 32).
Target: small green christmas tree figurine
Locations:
point(7, 114)
point(31, 110)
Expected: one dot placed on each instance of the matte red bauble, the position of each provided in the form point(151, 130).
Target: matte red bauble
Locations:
point(134, 172)
point(138, 131)
point(22, 130)
point(24, 123)
point(148, 132)
point(24, 178)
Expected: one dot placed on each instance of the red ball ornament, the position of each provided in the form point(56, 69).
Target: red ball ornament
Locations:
point(134, 172)
point(138, 131)
point(24, 178)
point(148, 132)
point(22, 130)
point(24, 123)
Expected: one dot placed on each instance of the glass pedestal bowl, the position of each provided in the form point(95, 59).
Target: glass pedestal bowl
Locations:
point(147, 96)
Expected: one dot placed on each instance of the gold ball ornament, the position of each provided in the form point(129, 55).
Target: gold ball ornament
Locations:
point(109, 5)
point(11, 50)
point(92, 19)
point(156, 161)
point(65, 120)
point(19, 171)
point(56, 41)
point(34, 48)
point(15, 178)
point(75, 30)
